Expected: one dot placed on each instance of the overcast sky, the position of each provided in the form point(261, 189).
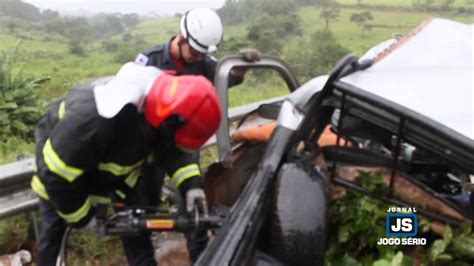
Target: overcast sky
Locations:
point(125, 6)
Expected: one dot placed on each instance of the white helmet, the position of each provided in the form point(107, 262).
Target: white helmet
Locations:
point(203, 29)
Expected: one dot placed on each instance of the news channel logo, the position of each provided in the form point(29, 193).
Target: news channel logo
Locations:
point(401, 224)
point(401, 227)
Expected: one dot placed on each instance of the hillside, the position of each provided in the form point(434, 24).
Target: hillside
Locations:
point(48, 54)
point(44, 53)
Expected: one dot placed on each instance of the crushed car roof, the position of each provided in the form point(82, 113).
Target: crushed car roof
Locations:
point(429, 71)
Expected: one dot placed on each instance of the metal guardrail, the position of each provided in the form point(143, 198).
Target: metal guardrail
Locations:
point(16, 195)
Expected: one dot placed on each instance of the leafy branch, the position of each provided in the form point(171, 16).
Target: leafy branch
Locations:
point(20, 108)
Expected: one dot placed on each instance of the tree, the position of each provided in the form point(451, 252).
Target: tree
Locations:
point(275, 23)
point(48, 15)
point(131, 20)
point(446, 4)
point(55, 25)
point(427, 4)
point(76, 29)
point(330, 11)
point(237, 11)
point(11, 26)
point(361, 20)
point(322, 52)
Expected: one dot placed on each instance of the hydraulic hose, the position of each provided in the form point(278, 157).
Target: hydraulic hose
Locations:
point(62, 258)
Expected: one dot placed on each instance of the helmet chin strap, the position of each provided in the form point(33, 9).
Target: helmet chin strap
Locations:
point(180, 46)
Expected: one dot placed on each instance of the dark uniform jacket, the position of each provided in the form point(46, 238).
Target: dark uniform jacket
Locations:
point(159, 57)
point(83, 158)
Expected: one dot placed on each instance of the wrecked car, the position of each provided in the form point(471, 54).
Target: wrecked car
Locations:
point(403, 109)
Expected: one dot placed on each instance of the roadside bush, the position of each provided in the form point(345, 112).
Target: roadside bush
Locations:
point(110, 46)
point(20, 108)
point(321, 55)
point(76, 48)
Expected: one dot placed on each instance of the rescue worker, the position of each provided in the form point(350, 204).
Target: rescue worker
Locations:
point(189, 52)
point(91, 144)
point(201, 32)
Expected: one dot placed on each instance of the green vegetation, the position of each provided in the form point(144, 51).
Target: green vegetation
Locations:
point(457, 246)
point(20, 108)
point(276, 22)
point(330, 12)
point(357, 222)
point(361, 19)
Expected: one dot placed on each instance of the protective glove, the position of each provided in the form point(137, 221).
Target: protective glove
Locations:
point(250, 54)
point(91, 226)
point(194, 196)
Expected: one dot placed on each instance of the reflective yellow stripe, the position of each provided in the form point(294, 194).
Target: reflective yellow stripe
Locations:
point(96, 199)
point(184, 173)
point(174, 85)
point(58, 166)
point(79, 214)
point(132, 179)
point(120, 194)
point(61, 109)
point(38, 187)
point(117, 169)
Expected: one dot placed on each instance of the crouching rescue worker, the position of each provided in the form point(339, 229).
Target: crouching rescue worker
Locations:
point(92, 142)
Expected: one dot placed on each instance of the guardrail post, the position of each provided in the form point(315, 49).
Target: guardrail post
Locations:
point(34, 223)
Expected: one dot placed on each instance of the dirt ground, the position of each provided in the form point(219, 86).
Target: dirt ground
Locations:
point(170, 249)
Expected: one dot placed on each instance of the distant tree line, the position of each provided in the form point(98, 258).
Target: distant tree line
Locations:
point(73, 28)
point(77, 30)
point(20, 10)
point(81, 28)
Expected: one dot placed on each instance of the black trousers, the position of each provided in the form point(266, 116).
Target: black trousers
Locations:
point(138, 249)
point(153, 176)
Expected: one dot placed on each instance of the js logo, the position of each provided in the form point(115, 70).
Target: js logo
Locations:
point(398, 224)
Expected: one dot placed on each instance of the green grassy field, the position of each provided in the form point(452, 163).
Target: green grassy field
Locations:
point(385, 24)
point(404, 3)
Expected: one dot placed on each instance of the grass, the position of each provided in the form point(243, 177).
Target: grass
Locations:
point(403, 3)
point(387, 23)
point(12, 233)
point(157, 31)
point(10, 149)
point(255, 89)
